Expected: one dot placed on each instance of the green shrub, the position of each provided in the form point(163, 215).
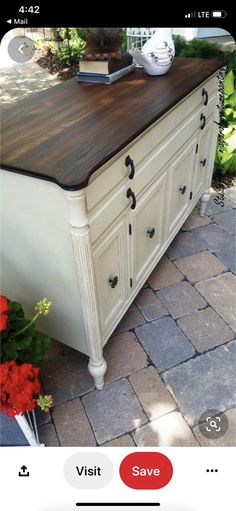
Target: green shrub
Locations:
point(42, 44)
point(70, 52)
point(69, 45)
point(71, 33)
point(196, 48)
point(225, 160)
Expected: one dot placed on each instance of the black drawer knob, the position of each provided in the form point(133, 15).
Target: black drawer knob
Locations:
point(203, 162)
point(113, 281)
point(151, 232)
point(129, 194)
point(203, 121)
point(205, 94)
point(183, 189)
point(130, 162)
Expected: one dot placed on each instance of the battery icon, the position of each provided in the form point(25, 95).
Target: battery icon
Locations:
point(218, 14)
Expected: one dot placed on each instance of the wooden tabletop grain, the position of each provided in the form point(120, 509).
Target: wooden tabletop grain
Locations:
point(65, 133)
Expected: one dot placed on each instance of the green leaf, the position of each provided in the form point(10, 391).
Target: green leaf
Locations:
point(231, 100)
point(228, 116)
point(229, 83)
point(16, 311)
point(24, 343)
point(8, 351)
point(227, 132)
point(15, 306)
point(224, 157)
point(229, 165)
point(231, 143)
point(228, 111)
point(17, 324)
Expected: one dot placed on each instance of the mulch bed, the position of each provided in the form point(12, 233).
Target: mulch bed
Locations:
point(47, 61)
point(220, 181)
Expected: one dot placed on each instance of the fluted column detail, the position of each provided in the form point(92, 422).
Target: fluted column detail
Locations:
point(85, 273)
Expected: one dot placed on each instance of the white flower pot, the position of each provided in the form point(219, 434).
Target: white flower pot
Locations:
point(29, 428)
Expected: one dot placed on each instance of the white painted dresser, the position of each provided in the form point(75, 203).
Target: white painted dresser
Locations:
point(97, 181)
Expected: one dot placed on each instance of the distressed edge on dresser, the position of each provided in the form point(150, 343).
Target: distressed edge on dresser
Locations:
point(205, 197)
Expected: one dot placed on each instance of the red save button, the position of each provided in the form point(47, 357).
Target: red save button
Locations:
point(146, 470)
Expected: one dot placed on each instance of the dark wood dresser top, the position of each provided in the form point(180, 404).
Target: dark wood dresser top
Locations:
point(68, 131)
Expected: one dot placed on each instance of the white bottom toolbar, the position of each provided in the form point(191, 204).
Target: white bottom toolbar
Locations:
point(127, 479)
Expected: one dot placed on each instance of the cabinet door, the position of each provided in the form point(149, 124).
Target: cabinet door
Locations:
point(148, 227)
point(110, 258)
point(181, 173)
point(204, 158)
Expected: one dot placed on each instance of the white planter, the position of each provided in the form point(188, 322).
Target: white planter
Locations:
point(28, 426)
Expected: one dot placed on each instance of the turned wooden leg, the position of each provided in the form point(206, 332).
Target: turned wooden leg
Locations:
point(97, 369)
point(204, 200)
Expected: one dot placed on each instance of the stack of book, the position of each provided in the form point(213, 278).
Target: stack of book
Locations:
point(105, 71)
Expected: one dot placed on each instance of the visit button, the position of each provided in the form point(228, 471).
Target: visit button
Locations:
point(146, 470)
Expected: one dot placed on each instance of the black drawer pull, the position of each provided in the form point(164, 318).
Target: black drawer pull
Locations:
point(205, 93)
point(203, 162)
point(129, 161)
point(129, 194)
point(183, 189)
point(203, 120)
point(151, 232)
point(113, 281)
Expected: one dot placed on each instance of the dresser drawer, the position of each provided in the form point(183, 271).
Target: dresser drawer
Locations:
point(115, 171)
point(116, 201)
point(108, 210)
point(149, 168)
point(176, 122)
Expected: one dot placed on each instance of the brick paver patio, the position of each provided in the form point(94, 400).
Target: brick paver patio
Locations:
point(17, 80)
point(178, 358)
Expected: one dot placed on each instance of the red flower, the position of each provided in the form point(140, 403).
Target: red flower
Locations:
point(19, 382)
point(19, 388)
point(4, 307)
